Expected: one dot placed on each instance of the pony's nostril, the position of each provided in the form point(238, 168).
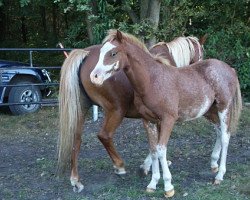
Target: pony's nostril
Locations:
point(96, 76)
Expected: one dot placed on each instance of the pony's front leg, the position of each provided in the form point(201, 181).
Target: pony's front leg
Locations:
point(155, 172)
point(111, 122)
point(167, 177)
point(166, 127)
point(74, 177)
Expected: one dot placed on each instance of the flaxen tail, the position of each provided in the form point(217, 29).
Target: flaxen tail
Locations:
point(235, 110)
point(70, 108)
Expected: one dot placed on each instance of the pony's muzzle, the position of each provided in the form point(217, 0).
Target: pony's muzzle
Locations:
point(96, 78)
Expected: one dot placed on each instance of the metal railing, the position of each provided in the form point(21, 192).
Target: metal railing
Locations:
point(45, 84)
point(44, 101)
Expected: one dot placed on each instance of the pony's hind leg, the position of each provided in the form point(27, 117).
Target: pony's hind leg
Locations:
point(145, 167)
point(158, 153)
point(212, 116)
point(74, 177)
point(151, 130)
point(216, 151)
point(152, 158)
point(111, 122)
point(225, 137)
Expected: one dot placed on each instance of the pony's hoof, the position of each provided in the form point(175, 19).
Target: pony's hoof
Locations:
point(169, 194)
point(78, 188)
point(120, 171)
point(217, 182)
point(214, 170)
point(169, 162)
point(150, 190)
point(77, 185)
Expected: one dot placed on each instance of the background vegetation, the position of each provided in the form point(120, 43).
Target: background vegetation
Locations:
point(81, 23)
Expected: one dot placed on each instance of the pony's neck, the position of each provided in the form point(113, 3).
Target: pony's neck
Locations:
point(140, 68)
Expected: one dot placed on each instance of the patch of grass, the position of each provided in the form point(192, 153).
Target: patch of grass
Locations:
point(44, 121)
point(30, 144)
point(241, 178)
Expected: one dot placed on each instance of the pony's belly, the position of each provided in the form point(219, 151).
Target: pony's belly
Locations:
point(195, 110)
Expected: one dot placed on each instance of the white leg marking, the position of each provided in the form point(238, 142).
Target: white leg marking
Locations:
point(147, 164)
point(225, 137)
point(119, 171)
point(77, 185)
point(217, 149)
point(162, 153)
point(155, 171)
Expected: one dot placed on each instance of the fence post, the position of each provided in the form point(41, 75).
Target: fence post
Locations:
point(31, 59)
point(95, 113)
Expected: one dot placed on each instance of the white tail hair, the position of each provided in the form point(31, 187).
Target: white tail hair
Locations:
point(70, 109)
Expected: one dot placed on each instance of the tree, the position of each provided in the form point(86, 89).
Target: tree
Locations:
point(149, 14)
point(80, 23)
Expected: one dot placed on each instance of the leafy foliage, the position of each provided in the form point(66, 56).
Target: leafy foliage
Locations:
point(80, 23)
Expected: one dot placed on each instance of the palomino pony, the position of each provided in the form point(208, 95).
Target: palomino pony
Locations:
point(116, 97)
point(165, 94)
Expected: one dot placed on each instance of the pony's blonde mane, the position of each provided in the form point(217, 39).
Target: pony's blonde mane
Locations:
point(161, 59)
point(132, 39)
point(182, 49)
point(128, 37)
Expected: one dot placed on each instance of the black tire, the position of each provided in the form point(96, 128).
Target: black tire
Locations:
point(24, 94)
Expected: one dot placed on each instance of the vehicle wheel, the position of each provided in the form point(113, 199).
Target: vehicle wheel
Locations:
point(24, 94)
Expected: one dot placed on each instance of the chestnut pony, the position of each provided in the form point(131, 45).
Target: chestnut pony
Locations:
point(77, 94)
point(166, 94)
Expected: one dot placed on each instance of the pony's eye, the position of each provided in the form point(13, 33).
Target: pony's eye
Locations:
point(113, 54)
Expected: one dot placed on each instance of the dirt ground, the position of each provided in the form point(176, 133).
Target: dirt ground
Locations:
point(28, 159)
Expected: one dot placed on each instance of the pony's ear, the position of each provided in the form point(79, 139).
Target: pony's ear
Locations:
point(203, 39)
point(119, 36)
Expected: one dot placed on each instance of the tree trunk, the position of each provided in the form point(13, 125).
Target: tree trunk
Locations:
point(54, 22)
point(89, 28)
point(154, 16)
point(149, 11)
point(24, 30)
point(2, 24)
point(90, 24)
point(144, 9)
point(44, 24)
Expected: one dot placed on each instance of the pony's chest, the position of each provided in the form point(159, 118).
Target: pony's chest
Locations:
point(144, 110)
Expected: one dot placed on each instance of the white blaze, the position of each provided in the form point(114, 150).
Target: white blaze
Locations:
point(106, 48)
point(102, 72)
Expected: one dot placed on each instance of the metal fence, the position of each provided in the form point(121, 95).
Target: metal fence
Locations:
point(30, 51)
point(46, 101)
